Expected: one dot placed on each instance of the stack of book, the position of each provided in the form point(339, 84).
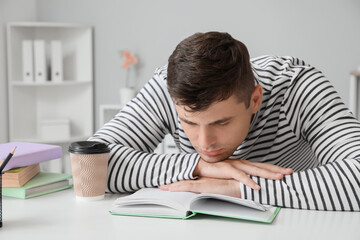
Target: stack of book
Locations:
point(22, 176)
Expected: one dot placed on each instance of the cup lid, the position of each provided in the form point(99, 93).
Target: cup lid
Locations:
point(88, 147)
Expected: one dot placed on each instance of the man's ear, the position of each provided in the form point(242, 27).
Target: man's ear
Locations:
point(256, 97)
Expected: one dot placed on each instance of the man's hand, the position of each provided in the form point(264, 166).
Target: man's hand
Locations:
point(239, 170)
point(205, 185)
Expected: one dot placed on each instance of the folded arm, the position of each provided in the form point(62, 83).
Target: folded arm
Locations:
point(133, 135)
point(318, 115)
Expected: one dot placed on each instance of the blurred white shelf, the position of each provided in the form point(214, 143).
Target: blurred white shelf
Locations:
point(64, 83)
point(68, 99)
point(46, 25)
point(354, 92)
point(53, 141)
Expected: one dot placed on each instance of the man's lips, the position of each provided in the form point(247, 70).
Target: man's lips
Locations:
point(211, 153)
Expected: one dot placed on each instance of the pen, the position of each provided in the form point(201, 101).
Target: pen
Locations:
point(7, 159)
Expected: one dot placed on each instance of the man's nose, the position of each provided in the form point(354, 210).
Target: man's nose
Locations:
point(206, 138)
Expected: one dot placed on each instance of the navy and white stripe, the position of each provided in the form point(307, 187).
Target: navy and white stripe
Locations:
point(302, 124)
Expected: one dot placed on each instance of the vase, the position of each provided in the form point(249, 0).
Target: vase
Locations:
point(126, 94)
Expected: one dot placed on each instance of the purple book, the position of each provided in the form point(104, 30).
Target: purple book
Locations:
point(28, 153)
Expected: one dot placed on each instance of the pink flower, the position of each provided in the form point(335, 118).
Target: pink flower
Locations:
point(129, 59)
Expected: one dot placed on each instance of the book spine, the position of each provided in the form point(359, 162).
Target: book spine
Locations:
point(56, 61)
point(40, 61)
point(27, 61)
point(14, 192)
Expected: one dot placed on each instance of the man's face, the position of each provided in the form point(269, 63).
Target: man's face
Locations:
point(216, 132)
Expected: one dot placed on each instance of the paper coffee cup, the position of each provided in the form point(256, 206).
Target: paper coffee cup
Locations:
point(89, 161)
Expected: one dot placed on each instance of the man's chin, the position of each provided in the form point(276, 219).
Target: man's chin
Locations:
point(211, 159)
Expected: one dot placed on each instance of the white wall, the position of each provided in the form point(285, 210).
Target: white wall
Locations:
point(325, 33)
point(10, 10)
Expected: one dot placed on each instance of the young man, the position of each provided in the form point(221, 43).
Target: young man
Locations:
point(272, 129)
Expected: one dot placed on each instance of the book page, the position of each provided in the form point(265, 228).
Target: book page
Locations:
point(47, 187)
point(155, 196)
point(148, 210)
point(222, 208)
point(243, 202)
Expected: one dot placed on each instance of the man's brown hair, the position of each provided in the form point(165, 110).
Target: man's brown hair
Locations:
point(209, 67)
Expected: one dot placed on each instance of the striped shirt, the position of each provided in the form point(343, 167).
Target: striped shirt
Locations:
point(302, 124)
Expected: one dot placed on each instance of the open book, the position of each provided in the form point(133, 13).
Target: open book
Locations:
point(153, 202)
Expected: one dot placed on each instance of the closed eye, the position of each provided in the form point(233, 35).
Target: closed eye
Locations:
point(223, 123)
point(188, 122)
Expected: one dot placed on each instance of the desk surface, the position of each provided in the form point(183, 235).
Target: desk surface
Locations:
point(61, 216)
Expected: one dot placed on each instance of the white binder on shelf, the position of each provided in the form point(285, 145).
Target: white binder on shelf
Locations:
point(56, 61)
point(27, 61)
point(40, 61)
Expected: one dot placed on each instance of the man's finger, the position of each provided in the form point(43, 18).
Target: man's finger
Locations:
point(270, 167)
point(260, 172)
point(181, 186)
point(205, 185)
point(164, 187)
point(245, 179)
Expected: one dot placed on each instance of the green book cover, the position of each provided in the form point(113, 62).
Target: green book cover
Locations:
point(43, 183)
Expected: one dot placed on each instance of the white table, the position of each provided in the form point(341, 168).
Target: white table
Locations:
point(61, 216)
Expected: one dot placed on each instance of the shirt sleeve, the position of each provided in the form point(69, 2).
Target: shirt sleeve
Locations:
point(318, 115)
point(134, 133)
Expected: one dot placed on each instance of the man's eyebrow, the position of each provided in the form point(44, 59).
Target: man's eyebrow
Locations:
point(212, 123)
point(186, 121)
